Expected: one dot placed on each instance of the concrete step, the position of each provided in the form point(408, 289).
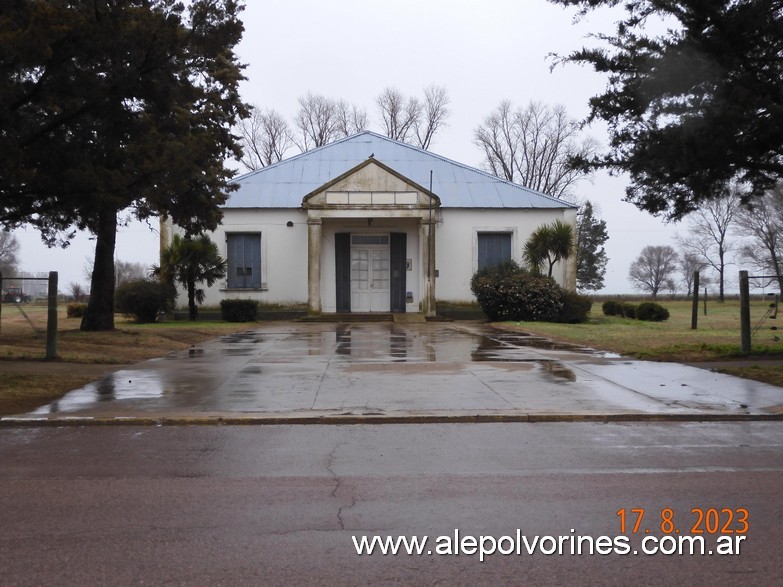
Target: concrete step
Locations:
point(350, 317)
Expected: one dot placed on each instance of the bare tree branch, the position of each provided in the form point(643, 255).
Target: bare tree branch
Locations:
point(535, 146)
point(316, 121)
point(654, 268)
point(689, 264)
point(762, 223)
point(709, 240)
point(398, 115)
point(497, 137)
point(433, 116)
point(266, 137)
point(350, 119)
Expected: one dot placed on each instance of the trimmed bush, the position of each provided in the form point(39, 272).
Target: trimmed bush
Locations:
point(506, 292)
point(142, 299)
point(612, 308)
point(75, 310)
point(239, 310)
point(575, 309)
point(651, 312)
point(628, 310)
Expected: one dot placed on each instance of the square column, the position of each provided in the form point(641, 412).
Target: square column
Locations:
point(428, 263)
point(313, 266)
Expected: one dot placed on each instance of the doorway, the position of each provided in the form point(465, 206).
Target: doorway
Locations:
point(370, 273)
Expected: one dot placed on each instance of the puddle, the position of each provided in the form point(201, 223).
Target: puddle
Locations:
point(243, 338)
point(537, 342)
point(558, 370)
point(506, 348)
point(238, 352)
point(121, 385)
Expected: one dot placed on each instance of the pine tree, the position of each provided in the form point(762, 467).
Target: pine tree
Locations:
point(591, 257)
point(695, 107)
point(115, 106)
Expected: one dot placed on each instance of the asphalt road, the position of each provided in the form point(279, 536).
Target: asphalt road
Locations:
point(252, 505)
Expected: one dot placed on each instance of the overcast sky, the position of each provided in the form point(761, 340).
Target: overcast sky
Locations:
point(482, 51)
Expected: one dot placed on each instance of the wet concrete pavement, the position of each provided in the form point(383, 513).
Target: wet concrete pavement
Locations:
point(377, 371)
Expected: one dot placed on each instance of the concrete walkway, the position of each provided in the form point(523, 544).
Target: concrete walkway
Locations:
point(392, 372)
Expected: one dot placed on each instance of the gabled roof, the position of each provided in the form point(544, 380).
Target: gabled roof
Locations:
point(284, 184)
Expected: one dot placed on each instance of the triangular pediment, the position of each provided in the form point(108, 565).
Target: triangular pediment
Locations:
point(371, 184)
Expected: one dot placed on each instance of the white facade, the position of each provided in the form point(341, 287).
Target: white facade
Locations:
point(283, 255)
point(342, 230)
point(457, 245)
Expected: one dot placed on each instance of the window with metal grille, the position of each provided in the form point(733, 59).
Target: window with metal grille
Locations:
point(244, 260)
point(493, 248)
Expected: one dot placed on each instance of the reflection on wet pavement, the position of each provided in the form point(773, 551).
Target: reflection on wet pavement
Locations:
point(115, 386)
point(389, 367)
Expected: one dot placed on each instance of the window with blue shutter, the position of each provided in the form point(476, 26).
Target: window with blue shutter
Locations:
point(493, 248)
point(244, 260)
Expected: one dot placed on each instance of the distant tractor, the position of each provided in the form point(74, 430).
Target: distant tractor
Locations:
point(15, 295)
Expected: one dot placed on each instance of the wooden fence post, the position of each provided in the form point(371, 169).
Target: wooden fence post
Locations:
point(695, 309)
point(51, 319)
point(744, 286)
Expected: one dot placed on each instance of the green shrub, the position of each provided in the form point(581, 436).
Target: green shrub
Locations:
point(75, 310)
point(506, 292)
point(612, 308)
point(239, 310)
point(628, 310)
point(142, 299)
point(651, 312)
point(575, 309)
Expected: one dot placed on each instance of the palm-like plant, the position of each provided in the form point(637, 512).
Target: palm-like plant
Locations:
point(189, 261)
point(549, 244)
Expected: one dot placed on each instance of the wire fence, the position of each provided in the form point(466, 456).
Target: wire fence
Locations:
point(15, 296)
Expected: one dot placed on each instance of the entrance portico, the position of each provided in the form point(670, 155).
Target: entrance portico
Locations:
point(371, 243)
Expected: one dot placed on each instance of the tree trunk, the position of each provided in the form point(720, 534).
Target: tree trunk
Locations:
point(776, 269)
point(192, 309)
point(100, 309)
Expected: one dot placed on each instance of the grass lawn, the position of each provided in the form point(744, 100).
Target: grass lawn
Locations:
point(28, 381)
point(717, 337)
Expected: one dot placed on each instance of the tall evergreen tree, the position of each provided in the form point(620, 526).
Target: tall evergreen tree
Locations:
point(693, 108)
point(114, 105)
point(591, 256)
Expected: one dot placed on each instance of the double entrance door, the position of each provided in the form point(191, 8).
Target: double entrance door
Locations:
point(370, 272)
point(370, 278)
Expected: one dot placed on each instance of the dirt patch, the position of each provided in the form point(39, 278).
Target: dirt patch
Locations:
point(29, 382)
point(27, 385)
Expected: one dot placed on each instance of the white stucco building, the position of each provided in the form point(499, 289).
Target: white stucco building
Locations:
point(369, 224)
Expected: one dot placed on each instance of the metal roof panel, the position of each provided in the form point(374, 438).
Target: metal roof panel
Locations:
point(284, 184)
